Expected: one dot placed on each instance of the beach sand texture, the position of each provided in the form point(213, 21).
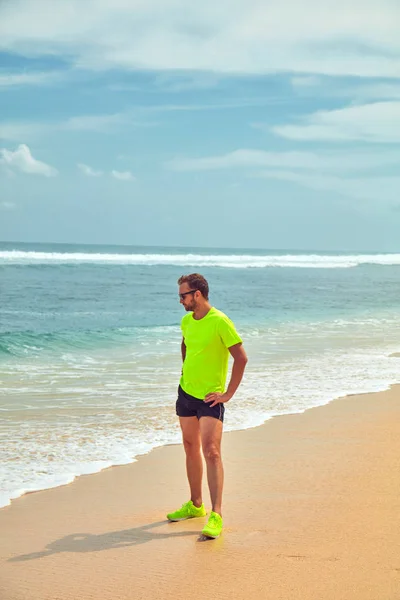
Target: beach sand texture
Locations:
point(311, 511)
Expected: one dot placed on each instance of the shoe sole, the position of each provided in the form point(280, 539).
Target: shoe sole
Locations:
point(185, 518)
point(211, 537)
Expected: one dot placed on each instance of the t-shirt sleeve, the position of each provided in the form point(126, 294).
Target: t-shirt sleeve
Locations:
point(228, 333)
point(183, 325)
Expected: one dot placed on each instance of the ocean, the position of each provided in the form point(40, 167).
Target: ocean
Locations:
point(90, 345)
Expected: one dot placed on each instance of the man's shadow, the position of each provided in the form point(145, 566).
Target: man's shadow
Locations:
point(87, 542)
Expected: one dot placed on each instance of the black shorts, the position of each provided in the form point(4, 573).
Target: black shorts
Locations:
point(189, 406)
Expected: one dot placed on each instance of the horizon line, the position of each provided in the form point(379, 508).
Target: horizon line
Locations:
point(183, 247)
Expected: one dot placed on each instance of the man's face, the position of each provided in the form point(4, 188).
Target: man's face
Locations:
point(187, 297)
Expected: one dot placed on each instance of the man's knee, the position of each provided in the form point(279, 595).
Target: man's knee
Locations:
point(192, 446)
point(212, 452)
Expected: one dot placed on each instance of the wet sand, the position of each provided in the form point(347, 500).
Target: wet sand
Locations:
point(311, 512)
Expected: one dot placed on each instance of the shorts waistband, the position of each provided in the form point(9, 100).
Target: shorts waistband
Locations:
point(189, 396)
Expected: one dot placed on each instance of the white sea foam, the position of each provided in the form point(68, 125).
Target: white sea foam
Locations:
point(316, 261)
point(119, 414)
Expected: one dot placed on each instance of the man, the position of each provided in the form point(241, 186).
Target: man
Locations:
point(208, 338)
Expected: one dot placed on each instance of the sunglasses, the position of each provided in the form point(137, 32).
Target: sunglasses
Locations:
point(182, 296)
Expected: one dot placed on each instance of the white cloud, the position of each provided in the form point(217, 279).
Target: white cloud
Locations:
point(22, 130)
point(181, 82)
point(378, 190)
point(239, 103)
point(123, 175)
point(250, 159)
point(22, 160)
point(99, 123)
point(306, 82)
point(136, 117)
point(11, 80)
point(243, 158)
point(375, 122)
point(246, 36)
point(7, 205)
point(359, 91)
point(374, 91)
point(353, 174)
point(28, 130)
point(86, 170)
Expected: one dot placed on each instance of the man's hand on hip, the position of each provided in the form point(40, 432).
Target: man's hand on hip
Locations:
point(217, 398)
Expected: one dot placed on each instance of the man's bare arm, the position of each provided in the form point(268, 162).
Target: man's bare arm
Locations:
point(239, 364)
point(183, 350)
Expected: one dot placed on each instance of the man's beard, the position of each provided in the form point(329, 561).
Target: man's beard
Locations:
point(191, 306)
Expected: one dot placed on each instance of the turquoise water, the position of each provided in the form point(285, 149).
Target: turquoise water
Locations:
point(90, 357)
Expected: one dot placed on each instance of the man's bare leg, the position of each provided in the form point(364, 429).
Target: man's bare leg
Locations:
point(194, 463)
point(211, 435)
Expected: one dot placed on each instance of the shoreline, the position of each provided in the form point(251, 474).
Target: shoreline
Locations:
point(138, 457)
point(311, 508)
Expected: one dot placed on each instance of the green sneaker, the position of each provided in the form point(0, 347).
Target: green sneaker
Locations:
point(214, 526)
point(187, 511)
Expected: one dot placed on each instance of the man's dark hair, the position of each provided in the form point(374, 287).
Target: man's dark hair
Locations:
point(196, 282)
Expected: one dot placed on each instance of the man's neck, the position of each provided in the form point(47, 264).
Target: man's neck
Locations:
point(201, 311)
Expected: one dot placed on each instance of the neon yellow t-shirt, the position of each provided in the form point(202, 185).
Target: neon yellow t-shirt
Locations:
point(206, 363)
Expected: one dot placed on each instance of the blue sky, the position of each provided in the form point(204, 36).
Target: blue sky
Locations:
point(231, 124)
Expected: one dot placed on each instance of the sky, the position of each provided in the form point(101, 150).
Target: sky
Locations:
point(244, 124)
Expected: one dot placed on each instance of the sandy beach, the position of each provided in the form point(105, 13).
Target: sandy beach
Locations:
point(311, 512)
